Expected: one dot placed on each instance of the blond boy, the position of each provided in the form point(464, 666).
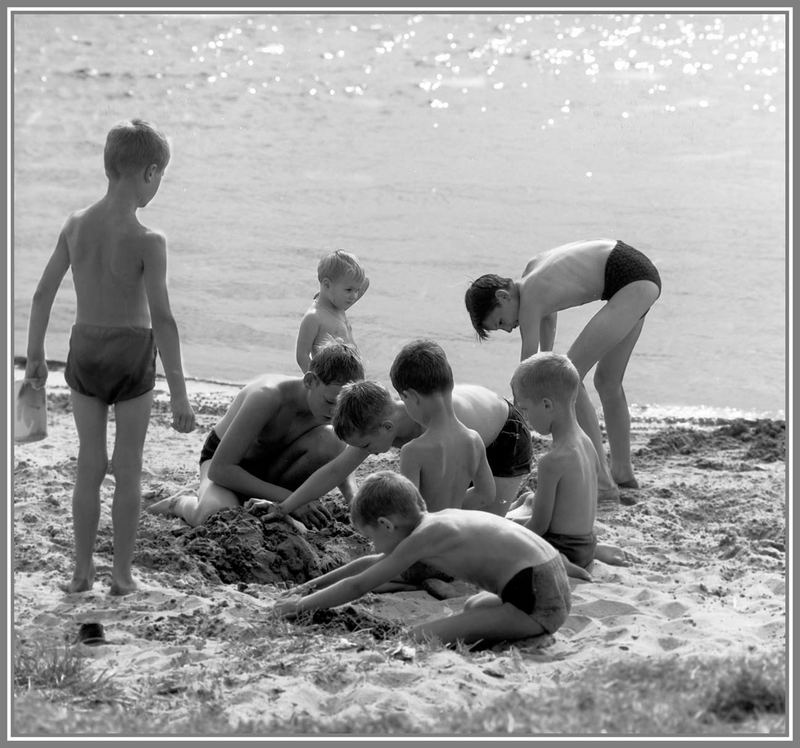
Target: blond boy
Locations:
point(567, 276)
point(342, 283)
point(525, 587)
point(123, 317)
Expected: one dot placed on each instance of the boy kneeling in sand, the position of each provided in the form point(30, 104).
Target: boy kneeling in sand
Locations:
point(273, 436)
point(563, 510)
point(526, 590)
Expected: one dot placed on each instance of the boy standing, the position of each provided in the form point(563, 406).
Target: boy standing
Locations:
point(563, 510)
point(371, 421)
point(567, 276)
point(342, 283)
point(119, 271)
point(273, 436)
point(447, 457)
point(525, 588)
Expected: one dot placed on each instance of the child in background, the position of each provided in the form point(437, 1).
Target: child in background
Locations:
point(342, 283)
point(567, 276)
point(447, 462)
point(119, 269)
point(525, 588)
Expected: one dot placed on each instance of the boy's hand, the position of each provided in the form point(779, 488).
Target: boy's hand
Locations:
point(182, 415)
point(259, 507)
point(36, 372)
point(287, 608)
point(314, 514)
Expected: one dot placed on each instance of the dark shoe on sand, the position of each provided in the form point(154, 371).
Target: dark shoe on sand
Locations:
point(91, 634)
point(632, 483)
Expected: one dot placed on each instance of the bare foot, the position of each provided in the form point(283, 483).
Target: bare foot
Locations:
point(165, 506)
point(117, 589)
point(608, 495)
point(610, 554)
point(81, 581)
point(575, 571)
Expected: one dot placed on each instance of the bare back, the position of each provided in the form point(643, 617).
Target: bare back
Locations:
point(566, 276)
point(442, 463)
point(575, 504)
point(479, 547)
point(107, 256)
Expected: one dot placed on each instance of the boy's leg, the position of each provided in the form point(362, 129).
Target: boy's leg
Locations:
point(608, 383)
point(607, 329)
point(485, 616)
point(91, 417)
point(211, 497)
point(132, 419)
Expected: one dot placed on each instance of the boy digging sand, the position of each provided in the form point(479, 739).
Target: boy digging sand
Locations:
point(567, 276)
point(563, 510)
point(447, 457)
point(371, 421)
point(119, 271)
point(273, 436)
point(526, 591)
point(342, 283)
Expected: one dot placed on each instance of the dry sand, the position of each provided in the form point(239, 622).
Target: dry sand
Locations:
point(706, 538)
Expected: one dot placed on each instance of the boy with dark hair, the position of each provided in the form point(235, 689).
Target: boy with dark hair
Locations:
point(273, 436)
point(567, 276)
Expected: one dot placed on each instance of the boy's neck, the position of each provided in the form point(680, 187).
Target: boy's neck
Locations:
point(437, 409)
point(564, 426)
point(121, 197)
point(405, 427)
point(326, 304)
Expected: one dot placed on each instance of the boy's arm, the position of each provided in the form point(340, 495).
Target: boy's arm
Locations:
point(258, 408)
point(548, 476)
point(547, 332)
point(350, 569)
point(483, 491)
point(325, 479)
point(386, 568)
point(306, 335)
point(165, 329)
point(43, 298)
point(530, 318)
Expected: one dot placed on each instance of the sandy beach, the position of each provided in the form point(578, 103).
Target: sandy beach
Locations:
point(705, 536)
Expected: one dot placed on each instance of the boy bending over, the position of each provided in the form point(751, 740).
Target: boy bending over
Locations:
point(273, 436)
point(447, 457)
point(119, 269)
point(525, 588)
point(563, 510)
point(567, 276)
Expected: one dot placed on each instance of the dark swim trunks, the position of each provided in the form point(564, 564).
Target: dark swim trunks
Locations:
point(209, 446)
point(626, 265)
point(111, 363)
point(542, 592)
point(577, 548)
point(509, 454)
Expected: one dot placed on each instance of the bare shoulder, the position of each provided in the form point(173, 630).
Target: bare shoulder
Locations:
point(152, 240)
point(556, 462)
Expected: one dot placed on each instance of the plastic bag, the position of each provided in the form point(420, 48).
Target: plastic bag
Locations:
point(30, 412)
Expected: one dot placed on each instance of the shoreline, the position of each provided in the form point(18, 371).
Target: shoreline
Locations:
point(646, 414)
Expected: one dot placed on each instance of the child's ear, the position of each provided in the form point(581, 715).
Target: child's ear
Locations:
point(385, 523)
point(326, 283)
point(310, 379)
point(150, 173)
point(548, 403)
point(502, 295)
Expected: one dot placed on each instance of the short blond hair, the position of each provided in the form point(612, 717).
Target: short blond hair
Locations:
point(547, 374)
point(360, 408)
point(340, 264)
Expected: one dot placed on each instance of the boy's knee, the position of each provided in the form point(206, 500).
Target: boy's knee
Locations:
point(128, 467)
point(92, 463)
point(606, 384)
